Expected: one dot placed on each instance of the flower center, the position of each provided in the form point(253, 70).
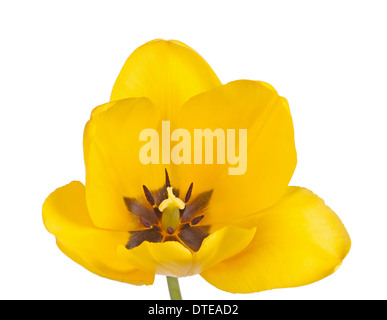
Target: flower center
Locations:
point(165, 217)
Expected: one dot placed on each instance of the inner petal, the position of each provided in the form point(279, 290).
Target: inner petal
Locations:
point(251, 131)
point(166, 72)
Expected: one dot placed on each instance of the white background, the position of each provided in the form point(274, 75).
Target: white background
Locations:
point(59, 59)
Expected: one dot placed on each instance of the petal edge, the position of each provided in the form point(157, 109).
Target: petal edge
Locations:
point(298, 241)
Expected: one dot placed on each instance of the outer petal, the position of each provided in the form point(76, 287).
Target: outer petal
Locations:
point(171, 258)
point(168, 258)
point(113, 167)
point(221, 245)
point(65, 216)
point(298, 241)
point(166, 72)
point(270, 155)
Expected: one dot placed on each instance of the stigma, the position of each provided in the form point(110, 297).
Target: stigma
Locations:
point(172, 201)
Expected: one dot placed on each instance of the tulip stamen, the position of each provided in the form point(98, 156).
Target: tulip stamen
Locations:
point(189, 192)
point(145, 222)
point(167, 181)
point(166, 217)
point(148, 196)
point(196, 220)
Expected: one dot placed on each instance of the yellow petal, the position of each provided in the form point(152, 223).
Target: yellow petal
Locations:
point(171, 258)
point(166, 72)
point(113, 167)
point(168, 258)
point(65, 216)
point(221, 245)
point(270, 152)
point(298, 241)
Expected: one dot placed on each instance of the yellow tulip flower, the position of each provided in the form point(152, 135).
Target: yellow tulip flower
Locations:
point(178, 200)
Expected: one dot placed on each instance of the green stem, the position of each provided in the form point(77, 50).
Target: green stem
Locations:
point(174, 289)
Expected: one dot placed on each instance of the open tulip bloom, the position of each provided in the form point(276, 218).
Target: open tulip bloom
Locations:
point(187, 176)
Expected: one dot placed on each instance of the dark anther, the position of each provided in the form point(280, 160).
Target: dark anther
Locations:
point(149, 196)
point(145, 223)
point(196, 220)
point(196, 206)
point(139, 209)
point(189, 192)
point(187, 230)
point(167, 182)
point(138, 237)
point(193, 237)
